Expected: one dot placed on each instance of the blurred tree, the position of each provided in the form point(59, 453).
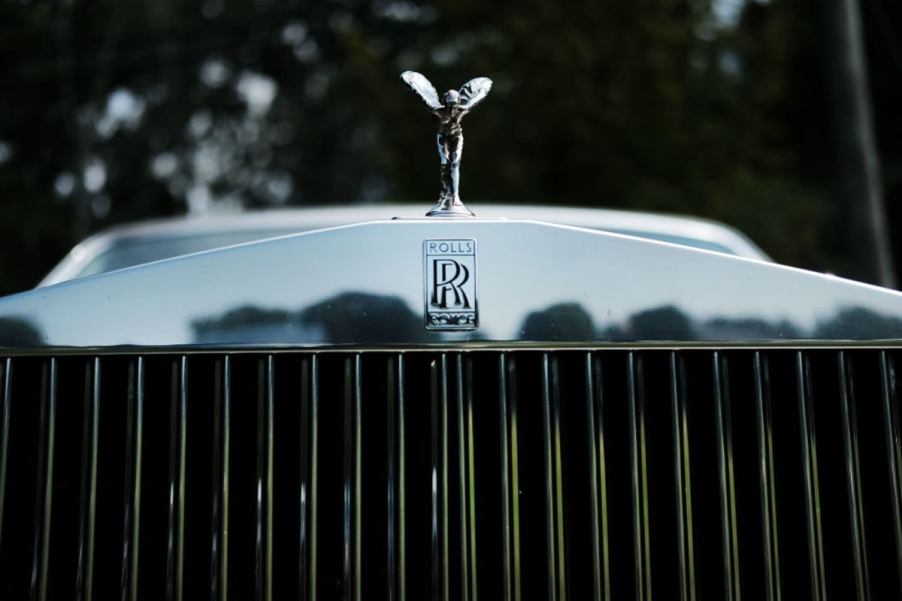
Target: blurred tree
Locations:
point(116, 111)
point(860, 184)
point(882, 20)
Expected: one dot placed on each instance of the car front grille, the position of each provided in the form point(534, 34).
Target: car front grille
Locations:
point(693, 474)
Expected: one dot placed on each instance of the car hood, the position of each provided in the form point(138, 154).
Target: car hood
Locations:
point(364, 285)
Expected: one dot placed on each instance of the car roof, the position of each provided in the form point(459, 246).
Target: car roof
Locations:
point(689, 231)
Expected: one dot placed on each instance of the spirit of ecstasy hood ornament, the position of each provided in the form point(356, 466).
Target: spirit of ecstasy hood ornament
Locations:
point(450, 110)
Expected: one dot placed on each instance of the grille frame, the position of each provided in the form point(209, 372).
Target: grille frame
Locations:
point(544, 407)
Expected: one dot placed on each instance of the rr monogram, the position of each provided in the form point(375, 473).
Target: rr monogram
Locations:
point(449, 270)
point(448, 279)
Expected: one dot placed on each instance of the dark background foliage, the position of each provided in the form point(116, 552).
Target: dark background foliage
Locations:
point(112, 111)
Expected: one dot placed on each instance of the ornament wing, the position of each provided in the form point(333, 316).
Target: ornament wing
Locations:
point(422, 88)
point(472, 92)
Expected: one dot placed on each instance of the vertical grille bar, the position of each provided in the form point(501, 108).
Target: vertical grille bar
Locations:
point(465, 476)
point(440, 556)
point(727, 480)
point(397, 581)
point(175, 543)
point(391, 477)
point(44, 494)
point(765, 434)
point(682, 482)
point(6, 400)
point(471, 475)
point(402, 484)
point(597, 480)
point(84, 579)
point(352, 492)
point(893, 437)
point(307, 526)
point(639, 471)
point(812, 494)
point(132, 516)
point(510, 509)
point(853, 474)
point(314, 468)
point(462, 481)
point(557, 583)
point(219, 557)
point(265, 404)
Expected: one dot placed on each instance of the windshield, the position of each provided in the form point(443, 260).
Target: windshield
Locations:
point(128, 252)
point(131, 251)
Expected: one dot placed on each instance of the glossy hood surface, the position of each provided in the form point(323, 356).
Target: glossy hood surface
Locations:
point(366, 285)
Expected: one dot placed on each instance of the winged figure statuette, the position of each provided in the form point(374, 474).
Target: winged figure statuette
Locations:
point(450, 110)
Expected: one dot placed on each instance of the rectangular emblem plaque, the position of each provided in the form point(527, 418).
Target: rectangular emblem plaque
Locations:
point(450, 284)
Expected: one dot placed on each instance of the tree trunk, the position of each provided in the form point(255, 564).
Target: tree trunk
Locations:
point(859, 161)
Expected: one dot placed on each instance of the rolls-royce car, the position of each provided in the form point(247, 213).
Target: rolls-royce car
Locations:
point(450, 408)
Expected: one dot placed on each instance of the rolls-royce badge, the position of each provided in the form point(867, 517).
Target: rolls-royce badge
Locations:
point(452, 108)
point(450, 278)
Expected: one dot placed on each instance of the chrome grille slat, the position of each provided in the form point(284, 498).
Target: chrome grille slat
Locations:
point(6, 400)
point(683, 479)
point(88, 486)
point(440, 552)
point(219, 555)
point(811, 484)
point(510, 520)
point(465, 459)
point(314, 469)
point(352, 478)
point(44, 494)
point(727, 478)
point(764, 433)
point(597, 479)
point(551, 405)
point(307, 444)
point(453, 475)
point(265, 432)
point(853, 475)
point(893, 438)
point(639, 472)
point(397, 572)
point(133, 448)
point(175, 543)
